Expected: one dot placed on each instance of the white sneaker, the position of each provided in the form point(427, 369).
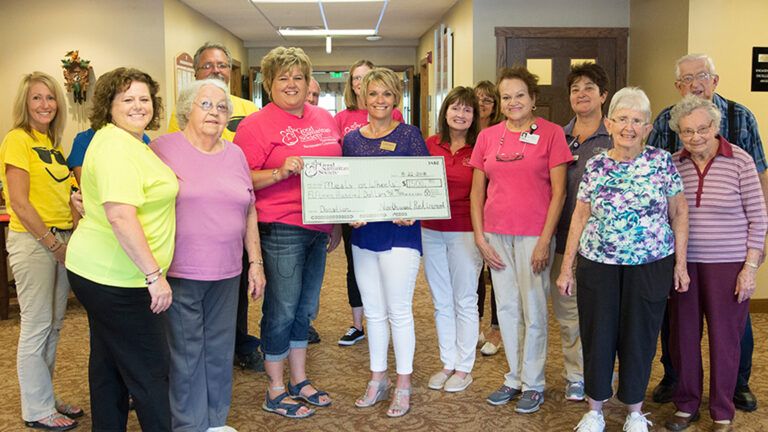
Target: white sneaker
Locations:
point(489, 348)
point(221, 429)
point(592, 421)
point(636, 422)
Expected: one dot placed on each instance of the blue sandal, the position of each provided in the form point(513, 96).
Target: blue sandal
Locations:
point(279, 407)
point(313, 399)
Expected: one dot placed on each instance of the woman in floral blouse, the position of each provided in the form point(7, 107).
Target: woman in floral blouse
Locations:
point(630, 227)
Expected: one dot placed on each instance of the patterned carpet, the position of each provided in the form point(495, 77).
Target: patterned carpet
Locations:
point(343, 373)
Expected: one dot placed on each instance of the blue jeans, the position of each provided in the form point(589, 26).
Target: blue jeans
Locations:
point(294, 264)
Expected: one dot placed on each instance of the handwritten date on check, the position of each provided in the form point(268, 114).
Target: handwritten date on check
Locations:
point(373, 189)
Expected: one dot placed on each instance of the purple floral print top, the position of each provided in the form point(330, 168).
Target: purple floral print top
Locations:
point(629, 223)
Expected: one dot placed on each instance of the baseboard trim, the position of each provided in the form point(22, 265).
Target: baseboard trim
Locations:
point(758, 305)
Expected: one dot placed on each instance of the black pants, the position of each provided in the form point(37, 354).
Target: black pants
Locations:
point(481, 296)
point(129, 353)
point(620, 312)
point(353, 292)
point(245, 344)
point(745, 359)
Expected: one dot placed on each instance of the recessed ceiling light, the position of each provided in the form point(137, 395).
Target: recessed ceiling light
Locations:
point(324, 32)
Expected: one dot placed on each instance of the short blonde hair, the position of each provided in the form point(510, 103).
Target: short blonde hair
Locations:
point(688, 105)
point(188, 94)
point(385, 77)
point(21, 118)
point(282, 59)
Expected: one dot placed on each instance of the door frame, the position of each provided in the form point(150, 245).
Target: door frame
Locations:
point(619, 34)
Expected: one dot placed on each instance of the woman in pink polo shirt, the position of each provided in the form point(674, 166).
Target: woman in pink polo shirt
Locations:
point(451, 260)
point(274, 140)
point(522, 164)
point(348, 120)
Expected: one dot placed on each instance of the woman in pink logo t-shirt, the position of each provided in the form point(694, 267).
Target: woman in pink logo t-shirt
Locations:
point(274, 140)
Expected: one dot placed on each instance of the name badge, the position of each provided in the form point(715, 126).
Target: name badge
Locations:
point(388, 146)
point(529, 138)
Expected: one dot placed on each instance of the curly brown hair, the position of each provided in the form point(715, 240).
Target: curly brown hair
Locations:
point(118, 81)
point(522, 73)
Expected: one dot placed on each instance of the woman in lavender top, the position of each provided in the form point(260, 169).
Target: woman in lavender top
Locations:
point(721, 184)
point(215, 220)
point(386, 254)
point(630, 227)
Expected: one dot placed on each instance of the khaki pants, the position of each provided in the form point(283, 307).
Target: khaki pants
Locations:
point(42, 289)
point(521, 300)
point(567, 315)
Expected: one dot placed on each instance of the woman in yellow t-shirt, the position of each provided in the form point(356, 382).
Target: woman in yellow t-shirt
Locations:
point(119, 254)
point(36, 180)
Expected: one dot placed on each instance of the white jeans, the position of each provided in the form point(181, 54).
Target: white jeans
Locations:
point(567, 314)
point(42, 288)
point(521, 304)
point(386, 281)
point(452, 265)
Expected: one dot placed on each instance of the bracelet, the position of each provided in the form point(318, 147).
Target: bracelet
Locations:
point(47, 233)
point(274, 174)
point(753, 265)
point(149, 281)
point(258, 261)
point(159, 270)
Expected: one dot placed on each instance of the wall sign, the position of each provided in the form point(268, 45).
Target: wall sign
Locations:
point(760, 69)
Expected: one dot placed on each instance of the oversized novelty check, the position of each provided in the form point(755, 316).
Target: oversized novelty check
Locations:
point(351, 189)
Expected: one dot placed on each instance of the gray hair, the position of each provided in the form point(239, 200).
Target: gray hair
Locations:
point(688, 105)
point(188, 94)
point(630, 98)
point(694, 57)
point(211, 45)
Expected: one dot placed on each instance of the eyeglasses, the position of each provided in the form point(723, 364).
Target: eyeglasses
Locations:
point(207, 105)
point(627, 121)
point(700, 77)
point(486, 101)
point(516, 156)
point(690, 133)
point(45, 155)
point(209, 66)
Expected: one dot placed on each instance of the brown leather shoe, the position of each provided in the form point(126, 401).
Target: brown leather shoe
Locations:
point(677, 423)
point(719, 427)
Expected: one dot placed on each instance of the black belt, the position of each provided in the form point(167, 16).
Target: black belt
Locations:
point(59, 230)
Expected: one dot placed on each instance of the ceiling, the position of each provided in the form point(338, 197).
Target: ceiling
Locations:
point(403, 22)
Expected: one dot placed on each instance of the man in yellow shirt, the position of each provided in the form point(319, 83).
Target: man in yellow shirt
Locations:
point(213, 60)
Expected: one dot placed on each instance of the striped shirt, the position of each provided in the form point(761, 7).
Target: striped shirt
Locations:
point(727, 213)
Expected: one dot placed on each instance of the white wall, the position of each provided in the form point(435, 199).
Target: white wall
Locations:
point(541, 13)
point(40, 32)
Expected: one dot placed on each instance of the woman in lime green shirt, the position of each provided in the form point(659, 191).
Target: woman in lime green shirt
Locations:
point(119, 254)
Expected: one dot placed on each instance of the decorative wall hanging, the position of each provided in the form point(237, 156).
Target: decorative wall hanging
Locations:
point(76, 71)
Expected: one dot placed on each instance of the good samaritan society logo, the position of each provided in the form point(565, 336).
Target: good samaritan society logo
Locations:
point(317, 137)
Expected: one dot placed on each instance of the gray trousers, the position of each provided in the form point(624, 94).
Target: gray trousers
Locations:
point(200, 326)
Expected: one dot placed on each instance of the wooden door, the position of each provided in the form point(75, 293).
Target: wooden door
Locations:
point(424, 97)
point(236, 79)
point(549, 53)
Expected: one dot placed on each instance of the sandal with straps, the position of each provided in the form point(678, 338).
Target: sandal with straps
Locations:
point(382, 392)
point(277, 406)
point(48, 423)
point(313, 399)
point(69, 410)
point(396, 408)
